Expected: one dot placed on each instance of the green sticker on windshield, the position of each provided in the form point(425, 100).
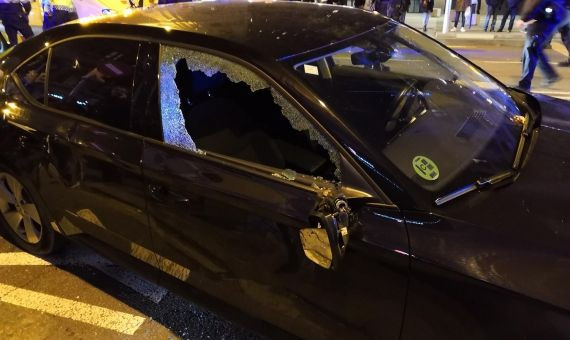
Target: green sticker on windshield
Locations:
point(425, 168)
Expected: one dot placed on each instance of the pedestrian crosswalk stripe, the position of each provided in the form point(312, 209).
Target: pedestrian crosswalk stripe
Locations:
point(148, 289)
point(78, 311)
point(21, 259)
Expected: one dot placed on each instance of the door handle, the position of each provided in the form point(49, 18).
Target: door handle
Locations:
point(162, 194)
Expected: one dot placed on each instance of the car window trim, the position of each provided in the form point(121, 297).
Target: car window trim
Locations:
point(248, 167)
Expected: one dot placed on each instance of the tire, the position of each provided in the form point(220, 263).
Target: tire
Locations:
point(24, 217)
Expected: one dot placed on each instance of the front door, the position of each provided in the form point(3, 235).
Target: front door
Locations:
point(235, 177)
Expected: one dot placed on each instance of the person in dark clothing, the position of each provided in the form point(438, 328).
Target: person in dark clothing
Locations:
point(394, 9)
point(564, 30)
point(359, 4)
point(426, 6)
point(511, 11)
point(15, 20)
point(493, 7)
point(541, 18)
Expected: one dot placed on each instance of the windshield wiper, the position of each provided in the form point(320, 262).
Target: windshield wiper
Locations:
point(482, 183)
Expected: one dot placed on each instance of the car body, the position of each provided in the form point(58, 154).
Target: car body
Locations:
point(270, 161)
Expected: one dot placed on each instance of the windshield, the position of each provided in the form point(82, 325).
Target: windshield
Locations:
point(438, 119)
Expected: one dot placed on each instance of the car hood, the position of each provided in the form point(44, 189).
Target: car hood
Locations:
point(516, 237)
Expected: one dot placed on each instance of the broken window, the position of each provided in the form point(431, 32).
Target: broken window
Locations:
point(212, 104)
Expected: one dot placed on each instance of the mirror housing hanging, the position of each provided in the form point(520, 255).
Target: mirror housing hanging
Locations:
point(325, 243)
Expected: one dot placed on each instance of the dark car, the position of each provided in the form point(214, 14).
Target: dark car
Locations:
point(315, 171)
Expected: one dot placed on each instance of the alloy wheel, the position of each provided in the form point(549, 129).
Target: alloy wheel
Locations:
point(18, 210)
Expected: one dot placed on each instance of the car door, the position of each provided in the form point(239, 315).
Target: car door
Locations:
point(92, 80)
point(236, 176)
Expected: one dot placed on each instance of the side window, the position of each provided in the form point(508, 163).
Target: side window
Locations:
point(212, 104)
point(32, 75)
point(93, 78)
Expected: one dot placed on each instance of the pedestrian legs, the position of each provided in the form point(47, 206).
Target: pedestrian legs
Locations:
point(538, 34)
point(565, 33)
point(426, 19)
point(457, 14)
point(14, 23)
point(473, 9)
point(15, 20)
point(512, 12)
point(491, 11)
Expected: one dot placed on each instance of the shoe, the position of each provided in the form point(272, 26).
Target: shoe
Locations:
point(425, 29)
point(548, 47)
point(564, 63)
point(484, 30)
point(548, 82)
point(462, 29)
point(500, 31)
point(509, 31)
point(454, 29)
point(492, 30)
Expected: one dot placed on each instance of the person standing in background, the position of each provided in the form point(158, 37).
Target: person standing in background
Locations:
point(511, 11)
point(426, 6)
point(394, 9)
point(403, 9)
point(541, 19)
point(57, 12)
point(493, 7)
point(473, 11)
point(15, 20)
point(460, 7)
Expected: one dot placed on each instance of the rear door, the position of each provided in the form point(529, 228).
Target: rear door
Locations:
point(237, 174)
point(92, 79)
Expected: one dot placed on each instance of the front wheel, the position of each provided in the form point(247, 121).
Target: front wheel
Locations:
point(24, 218)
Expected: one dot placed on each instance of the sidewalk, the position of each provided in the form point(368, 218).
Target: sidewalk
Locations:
point(473, 36)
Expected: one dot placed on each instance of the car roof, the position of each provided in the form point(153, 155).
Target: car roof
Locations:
point(274, 29)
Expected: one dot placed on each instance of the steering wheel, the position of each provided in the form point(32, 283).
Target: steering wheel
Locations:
point(401, 103)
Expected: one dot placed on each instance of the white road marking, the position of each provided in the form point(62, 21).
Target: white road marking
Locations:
point(94, 315)
point(21, 259)
point(147, 289)
point(503, 62)
point(552, 92)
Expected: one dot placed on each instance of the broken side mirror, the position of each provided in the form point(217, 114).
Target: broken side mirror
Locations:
point(325, 243)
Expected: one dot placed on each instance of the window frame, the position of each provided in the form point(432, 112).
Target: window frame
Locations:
point(131, 86)
point(67, 114)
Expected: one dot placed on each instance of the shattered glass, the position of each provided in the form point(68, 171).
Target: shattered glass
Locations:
point(174, 124)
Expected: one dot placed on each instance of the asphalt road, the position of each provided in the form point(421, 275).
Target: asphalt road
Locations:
point(80, 295)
